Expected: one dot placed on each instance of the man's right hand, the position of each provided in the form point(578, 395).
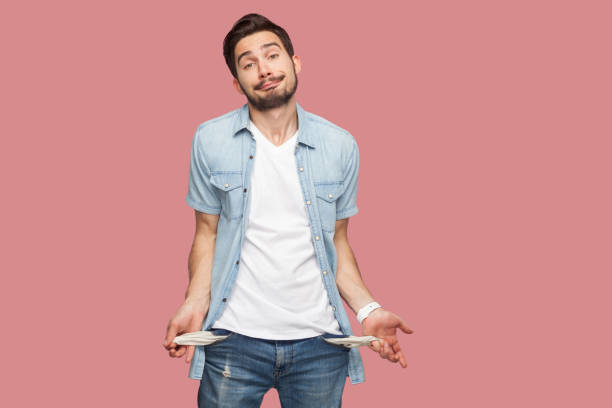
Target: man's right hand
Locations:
point(188, 318)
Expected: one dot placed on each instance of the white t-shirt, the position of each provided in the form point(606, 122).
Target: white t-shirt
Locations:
point(279, 292)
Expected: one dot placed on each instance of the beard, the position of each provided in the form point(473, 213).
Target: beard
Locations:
point(274, 98)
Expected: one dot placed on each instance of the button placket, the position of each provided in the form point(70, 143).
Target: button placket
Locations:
point(246, 201)
point(301, 169)
point(248, 172)
point(308, 191)
point(308, 202)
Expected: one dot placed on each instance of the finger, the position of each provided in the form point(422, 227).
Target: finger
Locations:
point(389, 351)
point(177, 352)
point(170, 335)
point(190, 351)
point(377, 348)
point(375, 345)
point(393, 356)
point(396, 350)
point(382, 349)
point(402, 360)
point(386, 350)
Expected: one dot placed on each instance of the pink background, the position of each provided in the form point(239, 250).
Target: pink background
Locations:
point(484, 130)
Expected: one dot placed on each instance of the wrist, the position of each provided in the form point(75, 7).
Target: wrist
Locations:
point(199, 302)
point(197, 294)
point(366, 310)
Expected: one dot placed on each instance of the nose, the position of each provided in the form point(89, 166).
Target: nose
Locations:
point(264, 70)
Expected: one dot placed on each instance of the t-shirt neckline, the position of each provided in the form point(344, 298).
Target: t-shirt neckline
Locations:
point(260, 135)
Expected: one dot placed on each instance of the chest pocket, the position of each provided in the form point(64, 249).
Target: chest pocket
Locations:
point(230, 192)
point(327, 194)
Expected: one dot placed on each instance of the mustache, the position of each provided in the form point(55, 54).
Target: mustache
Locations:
point(271, 79)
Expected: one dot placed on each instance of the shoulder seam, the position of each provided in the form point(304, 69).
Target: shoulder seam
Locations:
point(218, 118)
point(320, 120)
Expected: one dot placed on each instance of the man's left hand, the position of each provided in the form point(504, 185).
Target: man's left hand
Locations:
point(383, 324)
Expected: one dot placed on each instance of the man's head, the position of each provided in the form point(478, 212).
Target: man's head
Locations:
point(260, 57)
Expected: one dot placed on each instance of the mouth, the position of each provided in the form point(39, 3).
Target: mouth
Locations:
point(269, 85)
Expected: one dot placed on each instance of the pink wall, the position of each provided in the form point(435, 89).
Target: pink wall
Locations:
point(484, 131)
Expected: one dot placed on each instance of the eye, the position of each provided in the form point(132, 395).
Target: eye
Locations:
point(273, 55)
point(248, 65)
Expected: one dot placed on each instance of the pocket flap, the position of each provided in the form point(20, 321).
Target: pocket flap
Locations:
point(329, 191)
point(226, 180)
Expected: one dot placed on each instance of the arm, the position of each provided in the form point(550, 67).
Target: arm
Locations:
point(201, 258)
point(348, 278)
point(380, 323)
point(191, 314)
point(202, 197)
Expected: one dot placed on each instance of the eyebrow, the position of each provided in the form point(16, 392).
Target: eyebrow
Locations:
point(244, 54)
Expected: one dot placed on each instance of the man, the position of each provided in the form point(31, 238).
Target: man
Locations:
point(273, 186)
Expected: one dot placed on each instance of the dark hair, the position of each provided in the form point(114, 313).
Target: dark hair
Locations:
point(247, 25)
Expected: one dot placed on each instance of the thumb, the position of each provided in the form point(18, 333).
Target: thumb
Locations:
point(404, 327)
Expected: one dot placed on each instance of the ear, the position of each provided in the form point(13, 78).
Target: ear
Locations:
point(237, 86)
point(298, 63)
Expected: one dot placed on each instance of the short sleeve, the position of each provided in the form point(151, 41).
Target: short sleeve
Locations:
point(346, 205)
point(201, 195)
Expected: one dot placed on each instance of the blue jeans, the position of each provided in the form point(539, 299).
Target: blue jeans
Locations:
point(239, 370)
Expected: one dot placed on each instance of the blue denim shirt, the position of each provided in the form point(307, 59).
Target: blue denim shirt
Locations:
point(327, 160)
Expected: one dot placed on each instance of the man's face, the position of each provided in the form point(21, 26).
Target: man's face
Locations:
point(267, 75)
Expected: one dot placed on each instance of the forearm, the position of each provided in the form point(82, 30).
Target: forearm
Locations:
point(200, 268)
point(348, 278)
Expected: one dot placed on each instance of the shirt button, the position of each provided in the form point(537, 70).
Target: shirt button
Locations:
point(333, 308)
point(224, 299)
point(317, 237)
point(245, 190)
point(237, 262)
point(251, 156)
point(324, 272)
point(227, 185)
point(301, 169)
point(330, 196)
point(308, 202)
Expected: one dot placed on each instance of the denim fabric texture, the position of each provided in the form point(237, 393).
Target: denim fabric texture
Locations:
point(327, 163)
point(240, 369)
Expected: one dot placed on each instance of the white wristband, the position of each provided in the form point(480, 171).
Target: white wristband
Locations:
point(366, 310)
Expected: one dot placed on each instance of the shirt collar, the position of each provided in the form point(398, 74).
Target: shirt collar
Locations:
point(241, 121)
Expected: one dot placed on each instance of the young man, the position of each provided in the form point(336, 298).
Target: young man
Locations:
point(273, 186)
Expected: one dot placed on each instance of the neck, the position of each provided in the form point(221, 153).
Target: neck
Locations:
point(277, 124)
